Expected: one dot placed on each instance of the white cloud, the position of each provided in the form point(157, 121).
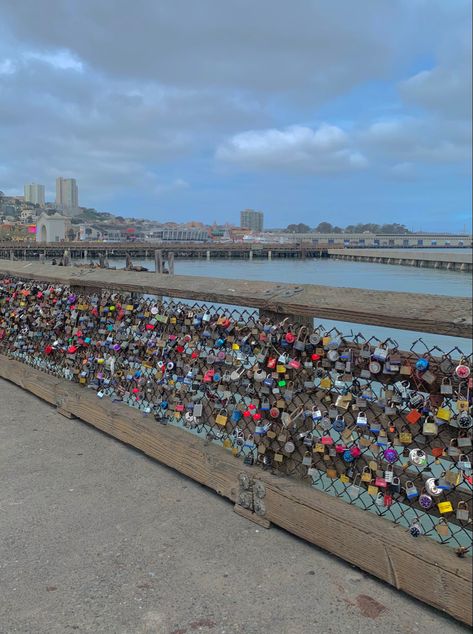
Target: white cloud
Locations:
point(325, 149)
point(421, 140)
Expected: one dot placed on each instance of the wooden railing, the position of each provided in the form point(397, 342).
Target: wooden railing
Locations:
point(408, 311)
point(424, 569)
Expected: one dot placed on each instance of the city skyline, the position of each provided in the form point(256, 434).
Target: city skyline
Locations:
point(271, 107)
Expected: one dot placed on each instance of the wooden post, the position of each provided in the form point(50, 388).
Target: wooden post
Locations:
point(101, 260)
point(158, 261)
point(171, 262)
point(66, 258)
point(12, 255)
point(129, 263)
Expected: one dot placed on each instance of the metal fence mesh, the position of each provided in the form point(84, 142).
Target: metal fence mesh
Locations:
point(384, 429)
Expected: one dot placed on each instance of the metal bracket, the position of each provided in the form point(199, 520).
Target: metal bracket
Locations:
point(250, 502)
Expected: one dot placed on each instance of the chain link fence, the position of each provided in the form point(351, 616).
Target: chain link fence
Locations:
point(389, 431)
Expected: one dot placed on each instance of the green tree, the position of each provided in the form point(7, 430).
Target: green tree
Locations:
point(324, 227)
point(298, 228)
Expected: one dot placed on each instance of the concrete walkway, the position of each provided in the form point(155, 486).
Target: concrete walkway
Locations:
point(97, 538)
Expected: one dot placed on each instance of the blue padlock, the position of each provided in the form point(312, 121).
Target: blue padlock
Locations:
point(422, 365)
point(347, 456)
point(236, 416)
point(339, 424)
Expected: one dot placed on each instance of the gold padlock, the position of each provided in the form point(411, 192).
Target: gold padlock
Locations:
point(445, 507)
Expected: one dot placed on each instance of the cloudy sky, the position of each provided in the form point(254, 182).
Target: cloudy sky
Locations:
point(177, 109)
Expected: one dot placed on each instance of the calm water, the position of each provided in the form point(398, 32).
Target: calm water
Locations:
point(345, 274)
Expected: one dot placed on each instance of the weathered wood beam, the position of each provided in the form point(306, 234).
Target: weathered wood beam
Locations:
point(420, 567)
point(407, 311)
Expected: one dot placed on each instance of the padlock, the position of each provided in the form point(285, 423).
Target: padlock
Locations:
point(413, 416)
point(445, 507)
point(411, 490)
point(463, 463)
point(307, 459)
point(354, 489)
point(462, 371)
point(331, 473)
point(390, 455)
point(453, 449)
point(462, 513)
point(372, 489)
point(222, 418)
point(417, 457)
point(415, 529)
point(442, 527)
point(446, 387)
point(366, 474)
point(432, 488)
point(464, 440)
point(339, 424)
point(405, 437)
point(443, 414)
point(379, 499)
point(425, 501)
point(430, 427)
point(380, 353)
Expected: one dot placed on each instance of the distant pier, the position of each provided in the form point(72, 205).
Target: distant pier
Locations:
point(421, 259)
point(142, 250)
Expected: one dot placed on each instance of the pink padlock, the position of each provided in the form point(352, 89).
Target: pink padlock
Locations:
point(462, 371)
point(355, 452)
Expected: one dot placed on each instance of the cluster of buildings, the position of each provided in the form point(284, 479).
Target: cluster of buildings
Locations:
point(31, 217)
point(67, 196)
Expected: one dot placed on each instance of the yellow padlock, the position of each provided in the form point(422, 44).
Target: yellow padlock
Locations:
point(445, 507)
point(326, 340)
point(221, 418)
point(344, 478)
point(325, 383)
point(235, 346)
point(280, 369)
point(443, 413)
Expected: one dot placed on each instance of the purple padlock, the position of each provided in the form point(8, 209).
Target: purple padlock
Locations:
point(425, 501)
point(390, 455)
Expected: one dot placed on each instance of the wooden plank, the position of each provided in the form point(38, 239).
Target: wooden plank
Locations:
point(409, 311)
point(420, 567)
point(249, 515)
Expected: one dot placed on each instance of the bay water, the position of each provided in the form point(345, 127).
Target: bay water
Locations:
point(341, 273)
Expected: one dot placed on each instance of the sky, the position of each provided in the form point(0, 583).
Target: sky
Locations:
point(315, 110)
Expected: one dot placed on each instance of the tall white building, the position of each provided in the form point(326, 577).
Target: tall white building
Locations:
point(34, 193)
point(67, 193)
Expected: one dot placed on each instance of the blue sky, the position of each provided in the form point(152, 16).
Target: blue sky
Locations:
point(315, 110)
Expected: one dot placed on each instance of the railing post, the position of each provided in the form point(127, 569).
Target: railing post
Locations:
point(158, 261)
point(171, 263)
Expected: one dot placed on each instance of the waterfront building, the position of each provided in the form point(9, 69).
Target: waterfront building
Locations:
point(252, 220)
point(34, 193)
point(51, 228)
point(341, 240)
